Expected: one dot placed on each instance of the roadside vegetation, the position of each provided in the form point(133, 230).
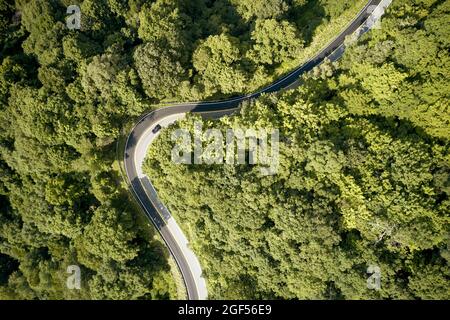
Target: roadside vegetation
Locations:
point(66, 94)
point(363, 177)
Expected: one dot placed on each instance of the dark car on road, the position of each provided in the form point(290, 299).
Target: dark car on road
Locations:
point(156, 128)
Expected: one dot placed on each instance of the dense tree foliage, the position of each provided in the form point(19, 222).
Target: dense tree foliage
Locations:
point(64, 97)
point(364, 175)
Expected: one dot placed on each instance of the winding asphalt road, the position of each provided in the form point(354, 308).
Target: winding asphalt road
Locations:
point(141, 137)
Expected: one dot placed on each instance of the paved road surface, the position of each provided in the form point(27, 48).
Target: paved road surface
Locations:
point(141, 137)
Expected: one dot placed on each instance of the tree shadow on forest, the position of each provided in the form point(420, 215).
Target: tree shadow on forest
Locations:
point(222, 16)
point(308, 18)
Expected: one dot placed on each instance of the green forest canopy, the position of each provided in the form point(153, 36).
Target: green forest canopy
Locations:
point(363, 178)
point(66, 94)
